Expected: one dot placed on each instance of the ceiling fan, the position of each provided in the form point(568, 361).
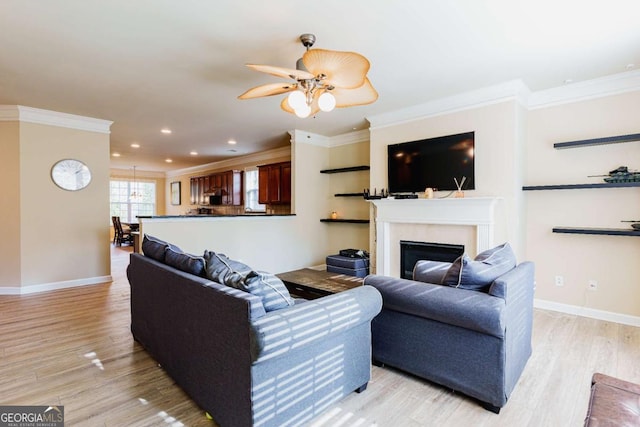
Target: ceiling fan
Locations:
point(323, 80)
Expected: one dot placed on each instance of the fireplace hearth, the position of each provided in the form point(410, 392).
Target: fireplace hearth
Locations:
point(412, 252)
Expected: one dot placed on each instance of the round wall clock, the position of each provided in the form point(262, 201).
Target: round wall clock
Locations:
point(71, 174)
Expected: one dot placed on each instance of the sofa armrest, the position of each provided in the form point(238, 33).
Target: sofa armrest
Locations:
point(510, 284)
point(467, 309)
point(290, 328)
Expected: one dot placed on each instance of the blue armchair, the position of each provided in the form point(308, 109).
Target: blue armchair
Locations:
point(474, 342)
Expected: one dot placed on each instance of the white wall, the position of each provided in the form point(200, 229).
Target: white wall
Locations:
point(498, 168)
point(63, 235)
point(613, 261)
point(515, 133)
point(10, 244)
point(275, 244)
point(348, 235)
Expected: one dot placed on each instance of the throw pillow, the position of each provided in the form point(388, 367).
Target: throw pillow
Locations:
point(154, 247)
point(225, 271)
point(478, 274)
point(184, 262)
point(268, 287)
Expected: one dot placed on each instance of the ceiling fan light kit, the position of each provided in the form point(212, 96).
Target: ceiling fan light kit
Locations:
point(324, 79)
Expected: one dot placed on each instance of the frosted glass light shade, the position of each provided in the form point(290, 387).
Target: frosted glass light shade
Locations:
point(297, 99)
point(303, 111)
point(326, 102)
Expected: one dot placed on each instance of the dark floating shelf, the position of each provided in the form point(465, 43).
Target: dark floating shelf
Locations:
point(352, 221)
point(598, 141)
point(581, 186)
point(349, 169)
point(598, 231)
point(349, 195)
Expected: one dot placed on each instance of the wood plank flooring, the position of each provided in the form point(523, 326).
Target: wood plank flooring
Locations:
point(73, 347)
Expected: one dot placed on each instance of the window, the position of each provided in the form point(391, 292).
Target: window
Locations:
point(251, 188)
point(129, 200)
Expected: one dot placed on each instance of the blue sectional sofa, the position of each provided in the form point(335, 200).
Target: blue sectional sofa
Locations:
point(476, 342)
point(242, 364)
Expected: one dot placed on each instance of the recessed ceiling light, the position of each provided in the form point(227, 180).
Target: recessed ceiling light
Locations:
point(168, 160)
point(115, 154)
point(166, 131)
point(194, 153)
point(231, 142)
point(631, 66)
point(568, 81)
point(135, 145)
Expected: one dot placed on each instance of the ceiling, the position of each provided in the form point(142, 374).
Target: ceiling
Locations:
point(153, 64)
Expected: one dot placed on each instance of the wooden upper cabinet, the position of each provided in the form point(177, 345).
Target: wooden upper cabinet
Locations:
point(285, 183)
point(263, 187)
point(231, 184)
point(226, 184)
point(274, 182)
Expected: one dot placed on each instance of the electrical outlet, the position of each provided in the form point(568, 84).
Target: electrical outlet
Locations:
point(593, 285)
point(559, 281)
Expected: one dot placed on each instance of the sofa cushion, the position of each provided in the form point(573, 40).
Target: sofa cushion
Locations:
point(428, 271)
point(185, 262)
point(237, 275)
point(478, 274)
point(154, 247)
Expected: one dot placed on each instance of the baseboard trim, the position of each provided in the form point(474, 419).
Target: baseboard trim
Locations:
point(53, 286)
point(609, 316)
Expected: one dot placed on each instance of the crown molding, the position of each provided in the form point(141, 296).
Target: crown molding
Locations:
point(53, 118)
point(589, 89)
point(263, 156)
point(349, 138)
point(300, 136)
point(511, 90)
point(303, 137)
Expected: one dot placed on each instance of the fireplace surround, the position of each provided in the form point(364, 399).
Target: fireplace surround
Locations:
point(475, 212)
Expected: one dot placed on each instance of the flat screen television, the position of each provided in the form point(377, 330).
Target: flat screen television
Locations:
point(432, 163)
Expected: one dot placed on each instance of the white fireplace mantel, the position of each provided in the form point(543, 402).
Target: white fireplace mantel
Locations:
point(472, 211)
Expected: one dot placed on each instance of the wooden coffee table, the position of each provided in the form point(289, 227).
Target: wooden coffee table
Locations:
point(311, 284)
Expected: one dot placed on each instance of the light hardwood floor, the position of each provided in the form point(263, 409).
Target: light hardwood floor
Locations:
point(73, 347)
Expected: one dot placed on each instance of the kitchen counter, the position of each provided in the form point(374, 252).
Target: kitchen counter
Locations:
point(261, 215)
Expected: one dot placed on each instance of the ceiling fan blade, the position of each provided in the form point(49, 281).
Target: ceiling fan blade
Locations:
point(291, 73)
point(362, 95)
point(343, 69)
point(268, 90)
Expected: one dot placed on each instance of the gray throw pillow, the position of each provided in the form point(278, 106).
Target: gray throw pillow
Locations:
point(184, 262)
point(225, 271)
point(154, 247)
point(268, 287)
point(478, 274)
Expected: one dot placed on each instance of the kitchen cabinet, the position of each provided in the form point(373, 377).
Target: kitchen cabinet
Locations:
point(226, 184)
point(274, 181)
point(231, 184)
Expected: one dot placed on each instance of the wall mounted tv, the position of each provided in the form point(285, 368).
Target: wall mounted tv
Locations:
point(432, 163)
